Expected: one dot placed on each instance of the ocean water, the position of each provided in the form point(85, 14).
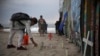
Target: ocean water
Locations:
point(35, 30)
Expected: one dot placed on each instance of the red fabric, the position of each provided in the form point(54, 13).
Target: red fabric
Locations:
point(26, 39)
point(50, 36)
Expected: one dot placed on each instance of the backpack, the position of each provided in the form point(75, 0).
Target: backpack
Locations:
point(19, 17)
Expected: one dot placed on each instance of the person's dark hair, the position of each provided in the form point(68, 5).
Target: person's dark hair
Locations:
point(41, 16)
point(34, 19)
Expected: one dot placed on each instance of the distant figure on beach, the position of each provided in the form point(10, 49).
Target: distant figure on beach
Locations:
point(57, 27)
point(19, 23)
point(1, 27)
point(42, 26)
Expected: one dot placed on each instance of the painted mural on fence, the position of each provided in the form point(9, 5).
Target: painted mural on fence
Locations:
point(75, 11)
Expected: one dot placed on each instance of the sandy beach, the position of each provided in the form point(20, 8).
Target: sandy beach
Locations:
point(57, 46)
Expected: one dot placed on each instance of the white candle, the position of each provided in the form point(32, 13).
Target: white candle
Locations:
point(66, 52)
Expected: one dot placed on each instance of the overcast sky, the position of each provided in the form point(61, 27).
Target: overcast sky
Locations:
point(48, 8)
